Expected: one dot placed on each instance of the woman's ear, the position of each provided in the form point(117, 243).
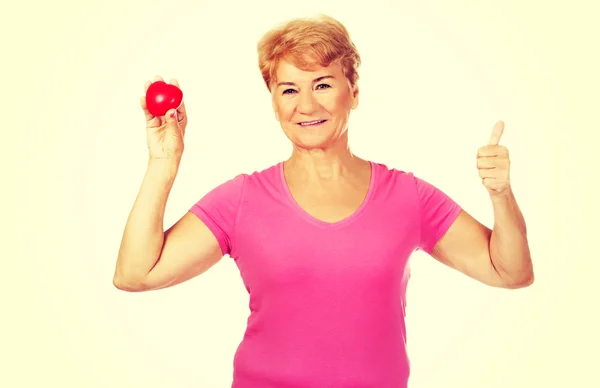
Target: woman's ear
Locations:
point(275, 111)
point(354, 90)
point(274, 106)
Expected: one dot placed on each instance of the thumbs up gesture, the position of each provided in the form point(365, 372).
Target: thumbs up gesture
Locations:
point(493, 163)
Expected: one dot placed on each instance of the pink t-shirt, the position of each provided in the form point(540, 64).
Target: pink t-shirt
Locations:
point(327, 300)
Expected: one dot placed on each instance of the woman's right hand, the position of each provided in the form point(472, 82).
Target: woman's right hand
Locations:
point(165, 133)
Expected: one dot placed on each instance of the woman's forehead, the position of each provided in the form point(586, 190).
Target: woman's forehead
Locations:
point(287, 72)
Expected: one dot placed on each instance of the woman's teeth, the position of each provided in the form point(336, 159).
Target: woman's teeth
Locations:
point(308, 123)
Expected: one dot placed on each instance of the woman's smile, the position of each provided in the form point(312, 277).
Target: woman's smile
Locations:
point(313, 123)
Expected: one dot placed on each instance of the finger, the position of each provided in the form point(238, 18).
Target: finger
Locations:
point(181, 107)
point(489, 173)
point(490, 183)
point(149, 116)
point(492, 151)
point(493, 162)
point(158, 78)
point(181, 118)
point(181, 113)
point(146, 86)
point(496, 133)
point(486, 163)
point(172, 118)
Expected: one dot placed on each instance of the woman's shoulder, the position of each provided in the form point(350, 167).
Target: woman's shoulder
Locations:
point(266, 178)
point(250, 175)
point(387, 172)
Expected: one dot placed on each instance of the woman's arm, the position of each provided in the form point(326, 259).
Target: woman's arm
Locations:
point(498, 257)
point(150, 258)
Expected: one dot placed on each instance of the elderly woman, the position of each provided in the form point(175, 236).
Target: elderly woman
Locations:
point(323, 239)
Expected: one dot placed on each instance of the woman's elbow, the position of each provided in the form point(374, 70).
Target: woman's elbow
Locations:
point(522, 281)
point(128, 284)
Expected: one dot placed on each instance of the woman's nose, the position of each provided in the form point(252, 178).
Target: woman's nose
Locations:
point(307, 104)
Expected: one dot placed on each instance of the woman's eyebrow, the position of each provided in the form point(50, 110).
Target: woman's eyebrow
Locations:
point(314, 81)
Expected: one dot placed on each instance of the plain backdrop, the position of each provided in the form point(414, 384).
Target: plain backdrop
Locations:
point(436, 76)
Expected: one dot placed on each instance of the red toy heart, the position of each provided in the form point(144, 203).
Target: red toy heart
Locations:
point(161, 96)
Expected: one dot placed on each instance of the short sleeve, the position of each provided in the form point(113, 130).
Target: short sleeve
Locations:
point(437, 213)
point(218, 210)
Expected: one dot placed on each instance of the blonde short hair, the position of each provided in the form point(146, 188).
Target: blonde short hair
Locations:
point(306, 43)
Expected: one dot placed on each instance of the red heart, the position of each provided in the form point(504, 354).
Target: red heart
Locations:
point(161, 96)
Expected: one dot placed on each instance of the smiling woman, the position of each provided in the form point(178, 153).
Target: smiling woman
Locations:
point(311, 70)
point(323, 239)
point(314, 109)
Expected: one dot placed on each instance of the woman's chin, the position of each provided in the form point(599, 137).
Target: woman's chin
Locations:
point(313, 143)
point(307, 138)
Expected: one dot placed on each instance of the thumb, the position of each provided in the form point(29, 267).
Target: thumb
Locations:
point(171, 117)
point(172, 121)
point(496, 133)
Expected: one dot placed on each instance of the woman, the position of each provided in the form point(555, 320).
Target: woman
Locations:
point(322, 240)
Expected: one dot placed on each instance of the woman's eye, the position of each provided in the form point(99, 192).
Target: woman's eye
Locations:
point(325, 86)
point(288, 91)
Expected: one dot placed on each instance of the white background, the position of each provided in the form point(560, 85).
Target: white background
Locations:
point(435, 78)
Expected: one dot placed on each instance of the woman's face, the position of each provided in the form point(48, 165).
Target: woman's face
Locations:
point(313, 107)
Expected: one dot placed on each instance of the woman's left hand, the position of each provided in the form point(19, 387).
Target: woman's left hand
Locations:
point(493, 164)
